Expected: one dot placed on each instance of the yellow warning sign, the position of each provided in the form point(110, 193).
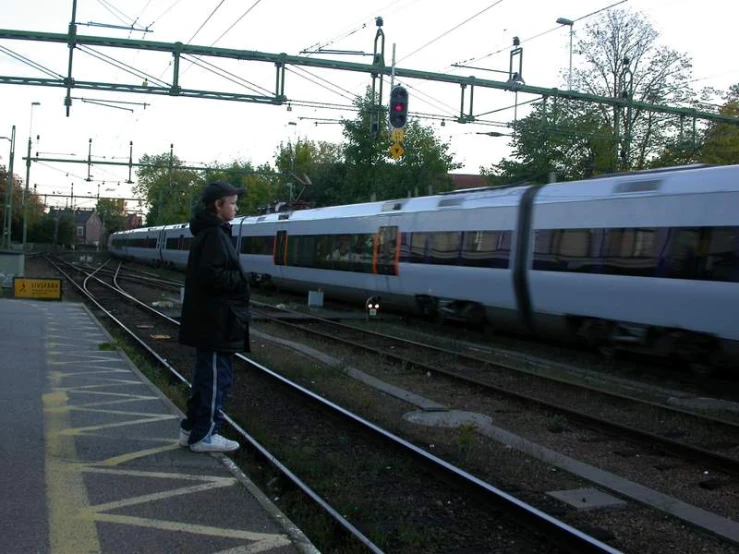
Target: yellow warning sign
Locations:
point(397, 135)
point(44, 289)
point(396, 151)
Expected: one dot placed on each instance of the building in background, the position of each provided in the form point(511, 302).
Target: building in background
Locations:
point(88, 228)
point(467, 181)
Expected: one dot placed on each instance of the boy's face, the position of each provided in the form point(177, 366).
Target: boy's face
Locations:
point(226, 207)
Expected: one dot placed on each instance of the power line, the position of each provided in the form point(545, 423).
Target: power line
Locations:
point(206, 20)
point(208, 66)
point(360, 24)
point(165, 12)
point(297, 71)
point(121, 65)
point(450, 30)
point(118, 14)
point(529, 39)
point(235, 22)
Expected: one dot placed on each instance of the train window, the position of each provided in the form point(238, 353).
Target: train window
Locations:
point(486, 248)
point(683, 257)
point(544, 250)
point(301, 251)
point(630, 252)
point(445, 248)
point(574, 250)
point(261, 246)
point(419, 243)
point(699, 253)
point(722, 256)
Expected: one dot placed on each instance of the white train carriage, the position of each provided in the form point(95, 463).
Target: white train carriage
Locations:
point(649, 260)
point(137, 244)
point(414, 253)
point(174, 244)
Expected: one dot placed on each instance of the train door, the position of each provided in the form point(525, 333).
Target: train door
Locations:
point(279, 252)
point(161, 244)
point(385, 258)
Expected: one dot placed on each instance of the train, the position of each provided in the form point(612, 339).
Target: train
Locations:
point(646, 261)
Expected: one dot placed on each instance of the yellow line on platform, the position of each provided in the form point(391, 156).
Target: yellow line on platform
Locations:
point(65, 487)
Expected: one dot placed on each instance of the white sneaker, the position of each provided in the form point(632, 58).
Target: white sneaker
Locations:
point(215, 443)
point(184, 437)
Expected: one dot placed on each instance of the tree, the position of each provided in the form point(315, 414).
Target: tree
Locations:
point(167, 190)
point(16, 226)
point(320, 161)
point(370, 173)
point(578, 139)
point(260, 183)
point(112, 214)
point(625, 61)
point(721, 143)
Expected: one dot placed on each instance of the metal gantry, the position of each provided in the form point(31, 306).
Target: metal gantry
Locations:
point(280, 61)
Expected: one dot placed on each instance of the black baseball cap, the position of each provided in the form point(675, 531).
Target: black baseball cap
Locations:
point(220, 189)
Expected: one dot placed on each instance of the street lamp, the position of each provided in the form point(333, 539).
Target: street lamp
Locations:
point(26, 197)
point(7, 222)
point(569, 23)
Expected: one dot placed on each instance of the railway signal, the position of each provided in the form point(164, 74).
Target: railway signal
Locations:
point(398, 116)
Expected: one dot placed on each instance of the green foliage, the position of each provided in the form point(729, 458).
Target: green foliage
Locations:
point(360, 169)
point(577, 140)
point(721, 145)
point(55, 228)
point(168, 191)
point(112, 214)
point(260, 184)
point(370, 171)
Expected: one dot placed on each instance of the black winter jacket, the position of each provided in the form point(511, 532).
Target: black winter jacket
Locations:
point(215, 308)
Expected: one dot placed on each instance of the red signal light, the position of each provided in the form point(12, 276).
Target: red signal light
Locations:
point(398, 107)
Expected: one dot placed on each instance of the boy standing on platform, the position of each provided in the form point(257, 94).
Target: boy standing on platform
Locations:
point(215, 317)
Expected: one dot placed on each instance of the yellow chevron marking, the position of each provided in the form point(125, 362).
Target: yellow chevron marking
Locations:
point(75, 431)
point(123, 458)
point(272, 541)
point(65, 490)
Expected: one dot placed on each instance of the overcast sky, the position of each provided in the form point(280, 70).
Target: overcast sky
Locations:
point(429, 35)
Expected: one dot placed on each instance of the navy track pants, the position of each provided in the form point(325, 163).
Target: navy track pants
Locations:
point(211, 383)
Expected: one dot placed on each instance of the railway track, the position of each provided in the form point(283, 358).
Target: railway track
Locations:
point(416, 461)
point(544, 390)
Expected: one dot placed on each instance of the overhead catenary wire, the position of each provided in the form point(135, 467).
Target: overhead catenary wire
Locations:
point(430, 100)
point(359, 25)
point(344, 93)
point(494, 4)
point(139, 17)
point(165, 12)
point(232, 77)
point(118, 14)
point(541, 34)
point(250, 8)
point(206, 21)
point(121, 65)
